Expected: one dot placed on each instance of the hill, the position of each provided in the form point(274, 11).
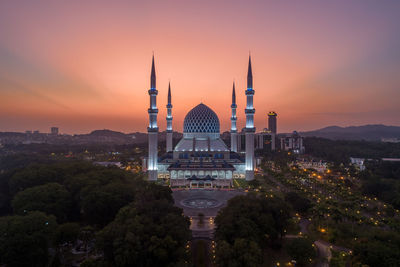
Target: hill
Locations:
point(372, 132)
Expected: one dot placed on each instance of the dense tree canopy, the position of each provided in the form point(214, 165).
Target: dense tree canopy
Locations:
point(71, 190)
point(85, 198)
point(242, 253)
point(340, 151)
point(302, 250)
point(146, 234)
point(382, 179)
point(380, 248)
point(24, 240)
point(299, 203)
point(67, 232)
point(50, 198)
point(250, 219)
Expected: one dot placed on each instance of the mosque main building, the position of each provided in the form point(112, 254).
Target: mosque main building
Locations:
point(201, 158)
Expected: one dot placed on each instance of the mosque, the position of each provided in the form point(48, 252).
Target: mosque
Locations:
point(201, 159)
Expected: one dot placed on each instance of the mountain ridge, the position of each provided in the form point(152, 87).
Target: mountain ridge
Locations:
point(369, 132)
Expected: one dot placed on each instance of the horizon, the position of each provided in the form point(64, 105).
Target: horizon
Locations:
point(83, 66)
point(176, 131)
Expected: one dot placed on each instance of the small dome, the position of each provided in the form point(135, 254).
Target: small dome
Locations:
point(201, 119)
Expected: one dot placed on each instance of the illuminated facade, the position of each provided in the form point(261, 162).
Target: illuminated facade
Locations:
point(250, 129)
point(201, 158)
point(234, 139)
point(152, 130)
point(169, 121)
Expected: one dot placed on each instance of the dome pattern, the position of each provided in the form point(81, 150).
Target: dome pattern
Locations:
point(201, 119)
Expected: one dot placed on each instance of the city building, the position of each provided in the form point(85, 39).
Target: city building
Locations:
point(358, 163)
point(54, 130)
point(272, 122)
point(265, 141)
point(318, 165)
point(293, 142)
point(201, 158)
point(390, 140)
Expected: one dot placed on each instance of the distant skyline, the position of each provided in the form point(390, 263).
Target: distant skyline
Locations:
point(85, 65)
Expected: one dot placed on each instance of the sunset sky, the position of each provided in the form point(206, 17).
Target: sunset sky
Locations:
point(85, 65)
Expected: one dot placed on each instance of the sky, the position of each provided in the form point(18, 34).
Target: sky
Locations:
point(85, 65)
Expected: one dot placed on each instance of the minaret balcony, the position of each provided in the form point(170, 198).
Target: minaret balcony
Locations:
point(153, 91)
point(249, 91)
point(152, 110)
point(152, 130)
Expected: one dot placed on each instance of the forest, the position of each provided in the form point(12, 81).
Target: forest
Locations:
point(119, 218)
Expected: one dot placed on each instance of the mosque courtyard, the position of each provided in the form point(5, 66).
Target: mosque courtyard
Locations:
point(205, 201)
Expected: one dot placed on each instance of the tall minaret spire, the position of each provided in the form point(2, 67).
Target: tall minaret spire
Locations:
point(152, 130)
point(153, 75)
point(250, 129)
point(234, 140)
point(169, 93)
point(249, 75)
point(169, 121)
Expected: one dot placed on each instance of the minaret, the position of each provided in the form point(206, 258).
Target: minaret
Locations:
point(152, 130)
point(234, 142)
point(250, 129)
point(169, 120)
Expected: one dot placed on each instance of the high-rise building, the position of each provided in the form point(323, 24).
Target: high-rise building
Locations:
point(272, 122)
point(54, 130)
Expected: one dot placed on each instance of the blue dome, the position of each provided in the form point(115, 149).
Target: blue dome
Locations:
point(201, 119)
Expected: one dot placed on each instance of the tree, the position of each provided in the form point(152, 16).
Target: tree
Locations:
point(100, 207)
point(254, 218)
point(242, 253)
point(249, 221)
point(379, 248)
point(302, 250)
point(146, 234)
point(67, 232)
point(35, 175)
point(299, 203)
point(24, 240)
point(51, 198)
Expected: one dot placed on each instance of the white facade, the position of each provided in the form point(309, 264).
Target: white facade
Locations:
point(152, 130)
point(293, 143)
point(169, 122)
point(250, 129)
point(234, 143)
point(201, 157)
